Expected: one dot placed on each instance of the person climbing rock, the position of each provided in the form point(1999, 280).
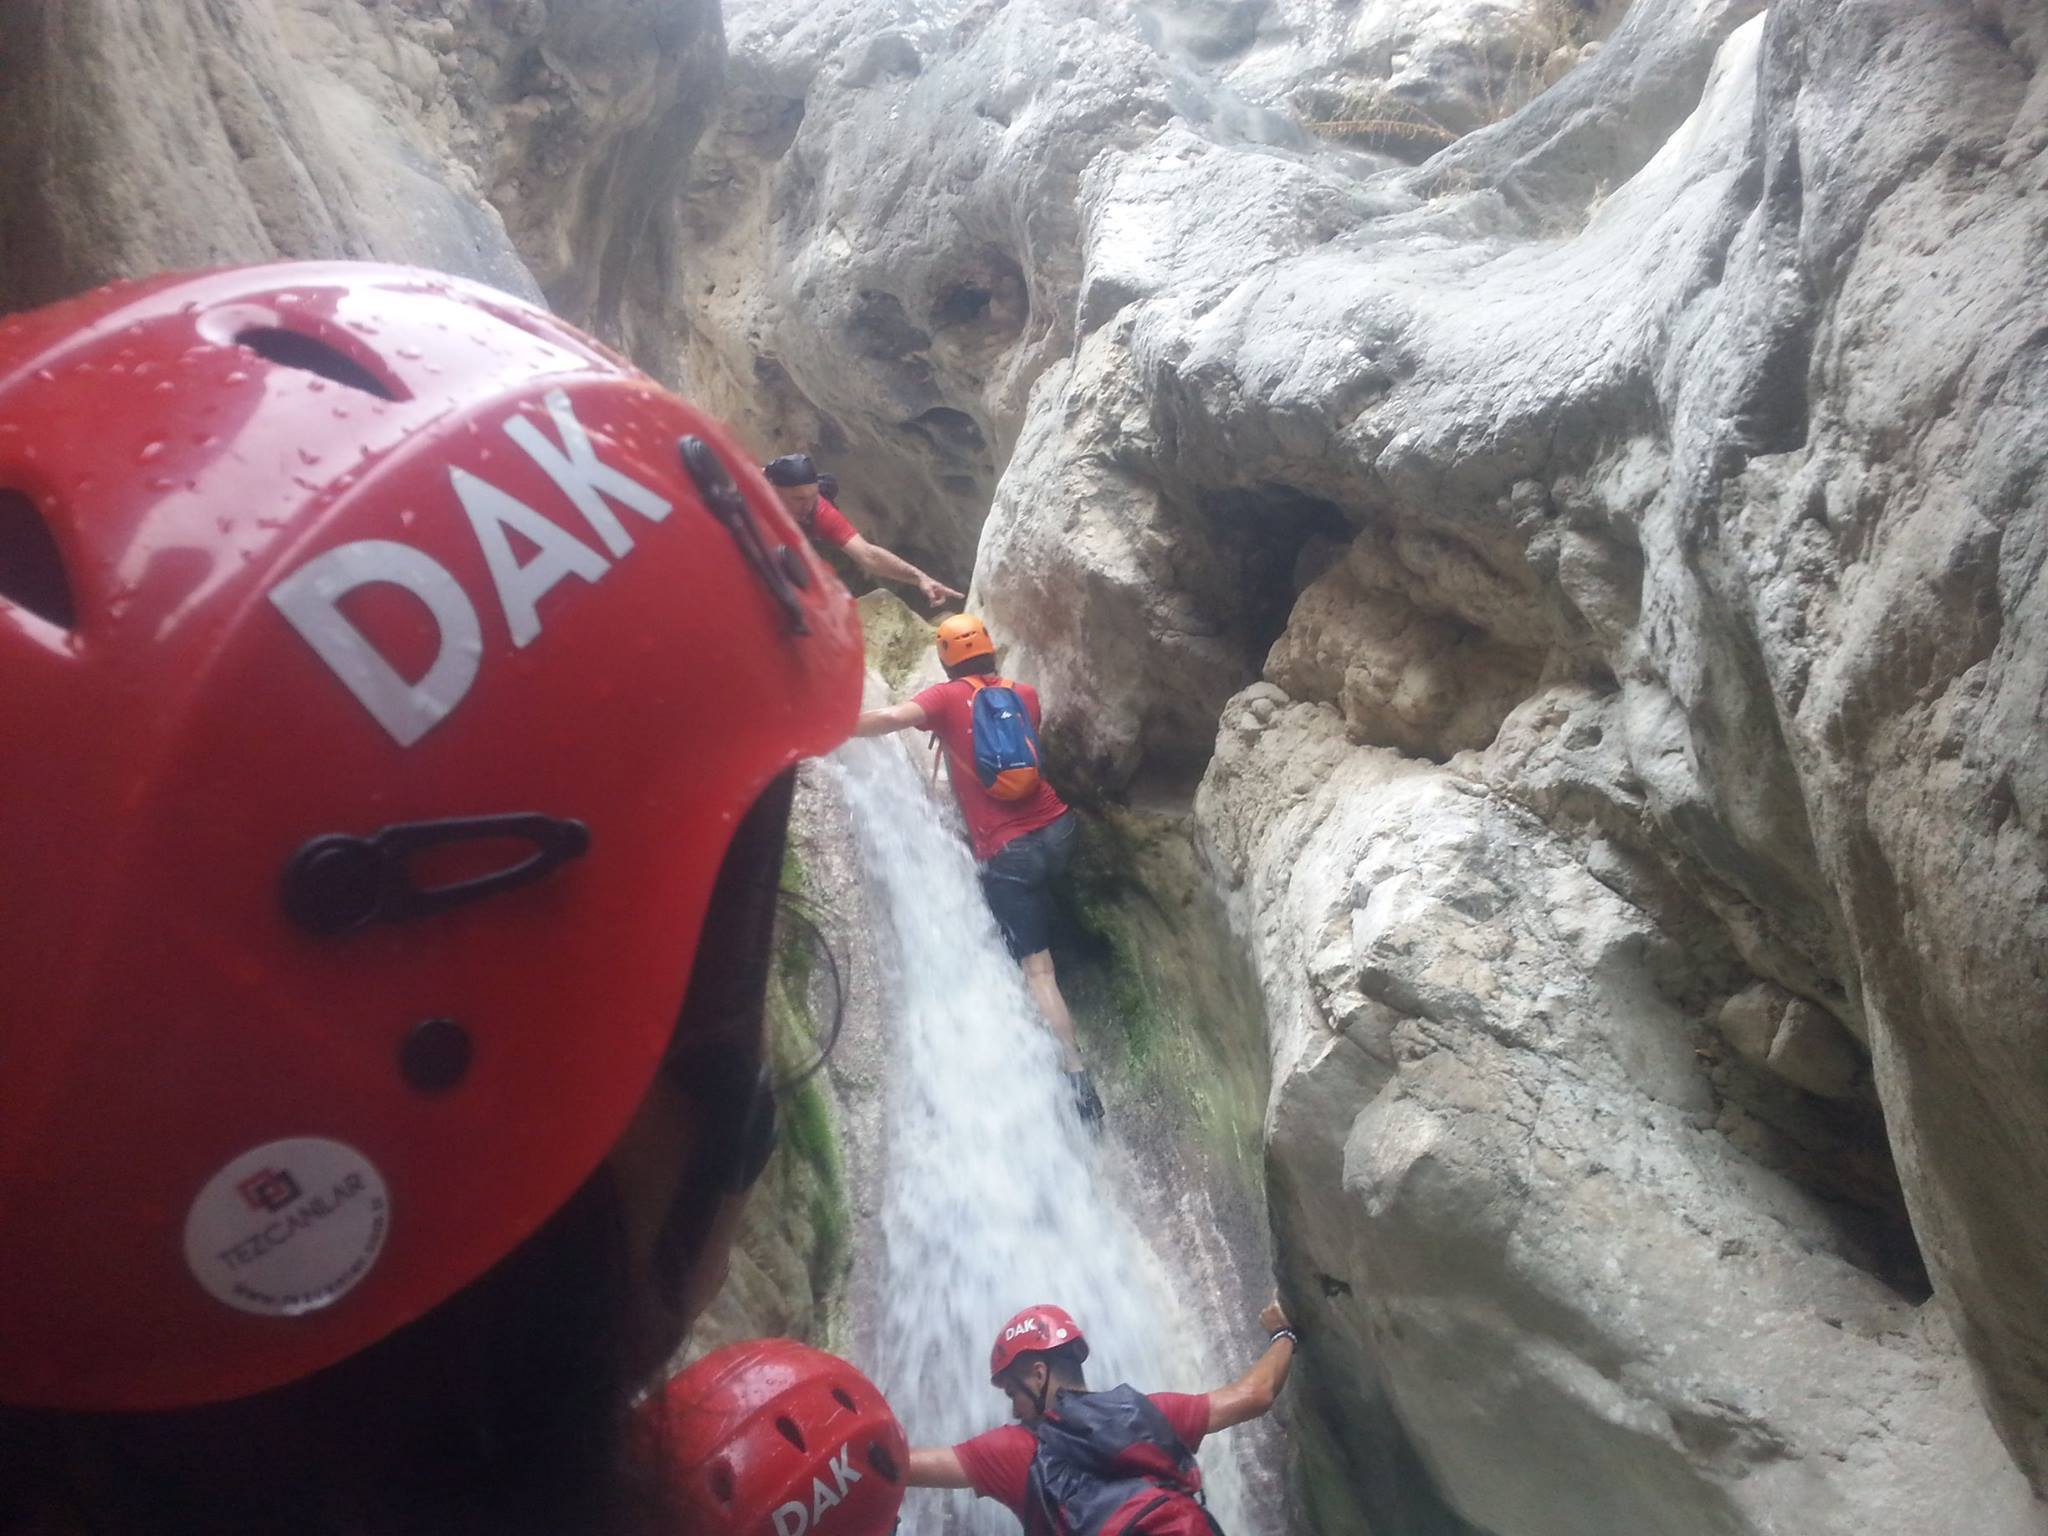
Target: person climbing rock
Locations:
point(1020, 829)
point(799, 485)
point(384, 1062)
point(1082, 1463)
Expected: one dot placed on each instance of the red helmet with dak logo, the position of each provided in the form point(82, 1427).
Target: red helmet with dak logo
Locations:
point(774, 1436)
point(388, 666)
point(1034, 1329)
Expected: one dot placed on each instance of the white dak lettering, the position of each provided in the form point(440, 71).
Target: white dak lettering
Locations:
point(310, 600)
point(310, 597)
point(583, 477)
point(794, 1519)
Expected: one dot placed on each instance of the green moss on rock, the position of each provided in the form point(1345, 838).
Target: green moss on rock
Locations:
point(794, 1247)
point(898, 641)
point(1164, 1002)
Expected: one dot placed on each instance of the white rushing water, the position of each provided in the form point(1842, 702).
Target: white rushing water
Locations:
point(995, 1196)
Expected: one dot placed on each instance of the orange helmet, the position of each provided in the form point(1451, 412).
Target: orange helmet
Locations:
point(772, 1436)
point(962, 637)
point(396, 659)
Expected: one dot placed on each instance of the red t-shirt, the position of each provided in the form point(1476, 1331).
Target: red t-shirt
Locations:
point(829, 524)
point(998, 1463)
point(949, 711)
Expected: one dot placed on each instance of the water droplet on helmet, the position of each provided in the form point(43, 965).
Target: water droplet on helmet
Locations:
point(411, 352)
point(237, 376)
point(150, 450)
point(308, 457)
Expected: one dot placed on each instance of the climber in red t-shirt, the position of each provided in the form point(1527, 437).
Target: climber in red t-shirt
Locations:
point(1089, 1462)
point(1021, 831)
point(795, 480)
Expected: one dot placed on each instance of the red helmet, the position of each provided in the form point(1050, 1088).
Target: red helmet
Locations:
point(1035, 1328)
point(340, 597)
point(770, 1435)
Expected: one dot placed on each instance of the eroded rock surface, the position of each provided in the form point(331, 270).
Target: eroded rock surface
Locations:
point(1627, 527)
point(533, 144)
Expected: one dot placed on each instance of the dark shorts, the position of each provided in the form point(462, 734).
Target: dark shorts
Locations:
point(1018, 883)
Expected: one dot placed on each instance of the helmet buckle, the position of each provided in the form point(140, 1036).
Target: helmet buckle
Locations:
point(781, 572)
point(339, 882)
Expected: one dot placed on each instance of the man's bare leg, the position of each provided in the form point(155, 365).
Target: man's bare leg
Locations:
point(1045, 991)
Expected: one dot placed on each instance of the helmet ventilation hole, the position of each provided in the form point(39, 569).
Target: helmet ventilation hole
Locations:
point(31, 569)
point(843, 1399)
point(786, 1427)
point(289, 349)
point(435, 1055)
point(880, 1459)
point(723, 1488)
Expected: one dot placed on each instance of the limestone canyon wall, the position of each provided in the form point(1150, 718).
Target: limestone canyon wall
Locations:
point(532, 144)
point(1603, 516)
point(1550, 487)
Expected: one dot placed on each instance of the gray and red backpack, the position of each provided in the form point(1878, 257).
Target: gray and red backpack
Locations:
point(1109, 1464)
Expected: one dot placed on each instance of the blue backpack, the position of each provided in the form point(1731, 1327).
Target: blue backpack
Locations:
point(1005, 742)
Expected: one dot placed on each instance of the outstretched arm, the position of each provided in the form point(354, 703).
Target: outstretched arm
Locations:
point(887, 565)
point(907, 716)
point(935, 1467)
point(1251, 1395)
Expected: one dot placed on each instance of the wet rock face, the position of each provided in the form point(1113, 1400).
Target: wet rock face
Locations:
point(1611, 549)
point(892, 215)
point(1711, 460)
point(534, 144)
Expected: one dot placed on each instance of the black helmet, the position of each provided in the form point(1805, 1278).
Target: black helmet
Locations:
point(791, 469)
point(828, 486)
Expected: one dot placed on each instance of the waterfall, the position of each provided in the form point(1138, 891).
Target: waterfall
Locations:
point(995, 1195)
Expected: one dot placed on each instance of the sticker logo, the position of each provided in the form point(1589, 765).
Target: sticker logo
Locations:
point(288, 1227)
point(271, 1190)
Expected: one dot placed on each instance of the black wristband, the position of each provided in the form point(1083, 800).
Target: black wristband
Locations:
point(1285, 1333)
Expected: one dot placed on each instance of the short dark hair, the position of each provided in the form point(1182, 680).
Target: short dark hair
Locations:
point(791, 469)
point(1064, 1364)
point(973, 666)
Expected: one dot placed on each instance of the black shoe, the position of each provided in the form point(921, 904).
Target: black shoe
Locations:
point(1087, 1103)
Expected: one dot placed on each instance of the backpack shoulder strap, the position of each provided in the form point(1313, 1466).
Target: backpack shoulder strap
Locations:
point(1041, 1513)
